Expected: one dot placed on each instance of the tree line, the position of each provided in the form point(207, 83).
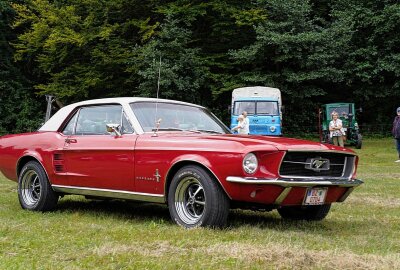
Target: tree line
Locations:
point(316, 52)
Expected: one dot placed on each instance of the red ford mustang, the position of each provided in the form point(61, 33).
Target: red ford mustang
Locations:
point(177, 153)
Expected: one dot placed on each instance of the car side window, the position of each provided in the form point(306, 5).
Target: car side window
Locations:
point(70, 127)
point(126, 125)
point(93, 120)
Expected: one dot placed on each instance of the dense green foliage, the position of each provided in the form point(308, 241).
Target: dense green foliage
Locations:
point(20, 110)
point(315, 51)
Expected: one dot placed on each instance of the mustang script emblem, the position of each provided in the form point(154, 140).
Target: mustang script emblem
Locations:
point(317, 164)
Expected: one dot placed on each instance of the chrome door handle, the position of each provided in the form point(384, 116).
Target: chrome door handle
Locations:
point(71, 141)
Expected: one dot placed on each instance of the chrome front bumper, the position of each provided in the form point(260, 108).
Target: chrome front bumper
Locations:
point(297, 182)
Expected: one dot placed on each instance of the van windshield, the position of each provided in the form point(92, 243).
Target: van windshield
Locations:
point(342, 110)
point(256, 107)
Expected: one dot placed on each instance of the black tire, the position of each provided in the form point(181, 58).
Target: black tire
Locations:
point(34, 190)
point(359, 141)
point(195, 199)
point(309, 212)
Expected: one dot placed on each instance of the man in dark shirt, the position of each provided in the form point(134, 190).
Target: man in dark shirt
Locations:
point(396, 132)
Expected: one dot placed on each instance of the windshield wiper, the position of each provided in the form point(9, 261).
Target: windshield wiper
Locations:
point(208, 131)
point(177, 129)
point(167, 129)
point(188, 130)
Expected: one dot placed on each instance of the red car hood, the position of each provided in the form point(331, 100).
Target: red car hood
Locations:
point(281, 143)
point(254, 143)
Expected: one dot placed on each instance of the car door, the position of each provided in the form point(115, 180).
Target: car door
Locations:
point(95, 158)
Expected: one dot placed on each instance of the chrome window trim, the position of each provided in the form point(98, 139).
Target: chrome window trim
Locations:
point(110, 193)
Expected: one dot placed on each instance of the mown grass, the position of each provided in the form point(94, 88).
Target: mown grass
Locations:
point(361, 233)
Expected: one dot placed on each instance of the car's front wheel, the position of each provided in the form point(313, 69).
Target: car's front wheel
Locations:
point(309, 212)
point(195, 199)
point(34, 190)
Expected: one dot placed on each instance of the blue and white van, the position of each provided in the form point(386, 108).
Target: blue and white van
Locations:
point(263, 106)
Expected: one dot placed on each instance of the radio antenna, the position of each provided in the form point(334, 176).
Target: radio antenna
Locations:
point(157, 121)
point(159, 77)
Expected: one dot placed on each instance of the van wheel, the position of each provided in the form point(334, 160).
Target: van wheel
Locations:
point(34, 190)
point(196, 200)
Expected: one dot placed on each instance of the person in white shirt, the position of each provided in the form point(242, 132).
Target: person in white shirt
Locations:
point(336, 130)
point(246, 128)
point(240, 126)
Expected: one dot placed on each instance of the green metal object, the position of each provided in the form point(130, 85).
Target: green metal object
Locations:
point(347, 113)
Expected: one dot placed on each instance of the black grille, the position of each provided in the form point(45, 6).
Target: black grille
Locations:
point(296, 163)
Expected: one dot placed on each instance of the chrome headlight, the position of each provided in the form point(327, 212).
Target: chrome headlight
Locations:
point(250, 163)
point(272, 128)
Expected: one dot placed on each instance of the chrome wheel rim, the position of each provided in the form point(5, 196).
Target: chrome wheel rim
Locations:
point(30, 188)
point(190, 200)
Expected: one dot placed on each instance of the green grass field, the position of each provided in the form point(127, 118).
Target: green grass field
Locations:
point(361, 233)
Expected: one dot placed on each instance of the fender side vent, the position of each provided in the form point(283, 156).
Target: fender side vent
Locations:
point(58, 162)
point(58, 156)
point(59, 167)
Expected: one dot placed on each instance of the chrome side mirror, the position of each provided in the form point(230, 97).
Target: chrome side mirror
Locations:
point(113, 128)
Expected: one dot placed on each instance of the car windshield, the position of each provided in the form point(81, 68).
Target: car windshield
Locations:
point(177, 117)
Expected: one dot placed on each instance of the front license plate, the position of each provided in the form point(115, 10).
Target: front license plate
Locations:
point(315, 196)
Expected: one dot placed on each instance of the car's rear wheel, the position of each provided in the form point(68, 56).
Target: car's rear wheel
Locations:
point(309, 212)
point(195, 199)
point(34, 190)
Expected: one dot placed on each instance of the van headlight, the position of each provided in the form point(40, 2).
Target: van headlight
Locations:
point(272, 128)
point(250, 163)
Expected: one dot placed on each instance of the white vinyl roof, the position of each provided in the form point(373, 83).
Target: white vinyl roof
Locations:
point(54, 123)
